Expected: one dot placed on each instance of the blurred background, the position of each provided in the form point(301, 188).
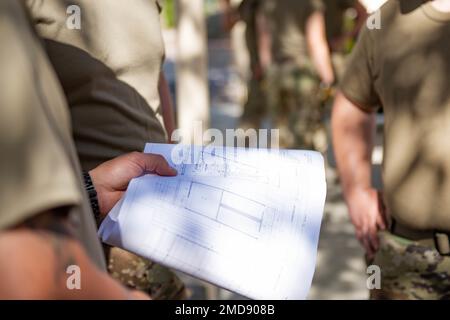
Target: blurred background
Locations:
point(208, 67)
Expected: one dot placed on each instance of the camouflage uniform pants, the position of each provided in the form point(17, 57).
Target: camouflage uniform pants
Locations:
point(142, 274)
point(296, 107)
point(410, 271)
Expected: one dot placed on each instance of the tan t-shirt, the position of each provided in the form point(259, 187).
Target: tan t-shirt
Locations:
point(288, 20)
point(405, 67)
point(109, 70)
point(39, 169)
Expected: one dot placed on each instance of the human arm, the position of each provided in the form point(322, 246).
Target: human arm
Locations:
point(44, 246)
point(353, 138)
point(111, 178)
point(47, 238)
point(35, 257)
point(316, 39)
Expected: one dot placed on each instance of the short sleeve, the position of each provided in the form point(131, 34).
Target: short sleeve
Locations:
point(358, 82)
point(36, 173)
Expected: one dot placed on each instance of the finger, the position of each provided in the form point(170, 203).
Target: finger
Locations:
point(373, 240)
point(366, 245)
point(381, 222)
point(367, 239)
point(360, 237)
point(156, 163)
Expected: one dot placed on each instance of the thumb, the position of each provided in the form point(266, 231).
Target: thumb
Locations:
point(156, 163)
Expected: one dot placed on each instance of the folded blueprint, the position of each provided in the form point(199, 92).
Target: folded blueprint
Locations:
point(246, 220)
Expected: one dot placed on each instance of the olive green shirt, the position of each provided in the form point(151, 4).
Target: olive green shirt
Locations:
point(288, 19)
point(405, 68)
point(109, 70)
point(39, 168)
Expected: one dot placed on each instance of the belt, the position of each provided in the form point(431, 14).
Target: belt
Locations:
point(439, 240)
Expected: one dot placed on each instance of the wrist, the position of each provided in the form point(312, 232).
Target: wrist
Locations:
point(92, 196)
point(328, 81)
point(355, 192)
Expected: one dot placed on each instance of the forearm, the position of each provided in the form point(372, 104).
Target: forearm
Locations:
point(318, 47)
point(353, 137)
point(166, 106)
point(34, 262)
point(322, 62)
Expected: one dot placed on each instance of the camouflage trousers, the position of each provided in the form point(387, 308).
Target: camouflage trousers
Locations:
point(296, 106)
point(410, 271)
point(142, 274)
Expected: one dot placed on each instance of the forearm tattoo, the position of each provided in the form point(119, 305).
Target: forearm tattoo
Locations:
point(55, 227)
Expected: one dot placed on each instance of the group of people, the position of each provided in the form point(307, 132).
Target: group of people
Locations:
point(304, 56)
point(296, 53)
point(77, 106)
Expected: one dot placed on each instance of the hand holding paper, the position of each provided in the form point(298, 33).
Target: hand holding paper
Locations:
point(247, 220)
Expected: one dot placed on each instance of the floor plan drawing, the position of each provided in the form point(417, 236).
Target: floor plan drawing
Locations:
point(245, 220)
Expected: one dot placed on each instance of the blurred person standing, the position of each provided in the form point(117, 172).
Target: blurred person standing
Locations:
point(249, 13)
point(404, 66)
point(300, 69)
point(235, 26)
point(110, 70)
point(255, 107)
point(47, 229)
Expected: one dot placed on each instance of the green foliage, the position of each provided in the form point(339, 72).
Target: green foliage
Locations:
point(169, 13)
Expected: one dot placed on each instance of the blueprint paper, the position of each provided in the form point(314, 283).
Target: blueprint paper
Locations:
point(247, 220)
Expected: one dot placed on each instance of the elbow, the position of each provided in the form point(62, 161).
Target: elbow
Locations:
point(337, 120)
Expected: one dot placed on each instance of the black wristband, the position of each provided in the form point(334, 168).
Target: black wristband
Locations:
point(92, 194)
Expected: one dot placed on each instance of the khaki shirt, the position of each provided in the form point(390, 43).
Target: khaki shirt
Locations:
point(405, 67)
point(109, 70)
point(288, 20)
point(39, 169)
